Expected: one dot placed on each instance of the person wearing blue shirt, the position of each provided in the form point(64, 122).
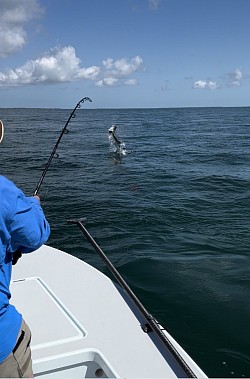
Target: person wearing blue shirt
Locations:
point(23, 228)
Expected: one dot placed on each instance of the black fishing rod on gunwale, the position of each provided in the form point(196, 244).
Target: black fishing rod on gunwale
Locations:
point(151, 324)
point(17, 254)
point(64, 131)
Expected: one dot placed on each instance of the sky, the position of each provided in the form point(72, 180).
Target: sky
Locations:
point(124, 53)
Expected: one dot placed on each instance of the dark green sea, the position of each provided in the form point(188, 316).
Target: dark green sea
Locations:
point(172, 214)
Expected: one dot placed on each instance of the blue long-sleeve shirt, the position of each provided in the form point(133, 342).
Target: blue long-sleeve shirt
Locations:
point(23, 227)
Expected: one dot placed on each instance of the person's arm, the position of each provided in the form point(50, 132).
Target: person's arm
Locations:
point(28, 227)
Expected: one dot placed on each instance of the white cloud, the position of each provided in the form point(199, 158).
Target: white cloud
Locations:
point(111, 82)
point(200, 84)
point(106, 82)
point(55, 67)
point(205, 84)
point(121, 67)
point(233, 79)
point(234, 83)
point(212, 85)
point(59, 65)
point(108, 63)
point(62, 65)
point(238, 74)
point(115, 72)
point(130, 82)
point(14, 16)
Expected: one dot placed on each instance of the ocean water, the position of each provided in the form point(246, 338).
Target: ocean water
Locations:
point(171, 212)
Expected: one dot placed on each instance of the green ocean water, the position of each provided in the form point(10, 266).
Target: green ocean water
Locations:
point(172, 213)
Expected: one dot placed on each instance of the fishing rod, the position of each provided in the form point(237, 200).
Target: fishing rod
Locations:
point(64, 131)
point(17, 254)
point(151, 324)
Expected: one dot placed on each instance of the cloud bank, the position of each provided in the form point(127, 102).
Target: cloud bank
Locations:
point(58, 65)
point(62, 66)
point(232, 79)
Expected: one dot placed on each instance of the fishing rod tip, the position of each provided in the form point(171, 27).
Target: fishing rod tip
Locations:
point(87, 98)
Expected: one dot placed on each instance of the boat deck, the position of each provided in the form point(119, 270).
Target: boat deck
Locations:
point(81, 325)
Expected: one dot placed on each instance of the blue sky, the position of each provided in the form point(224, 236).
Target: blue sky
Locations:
point(124, 53)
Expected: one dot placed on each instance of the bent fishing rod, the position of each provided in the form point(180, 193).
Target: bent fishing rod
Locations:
point(64, 131)
point(17, 254)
